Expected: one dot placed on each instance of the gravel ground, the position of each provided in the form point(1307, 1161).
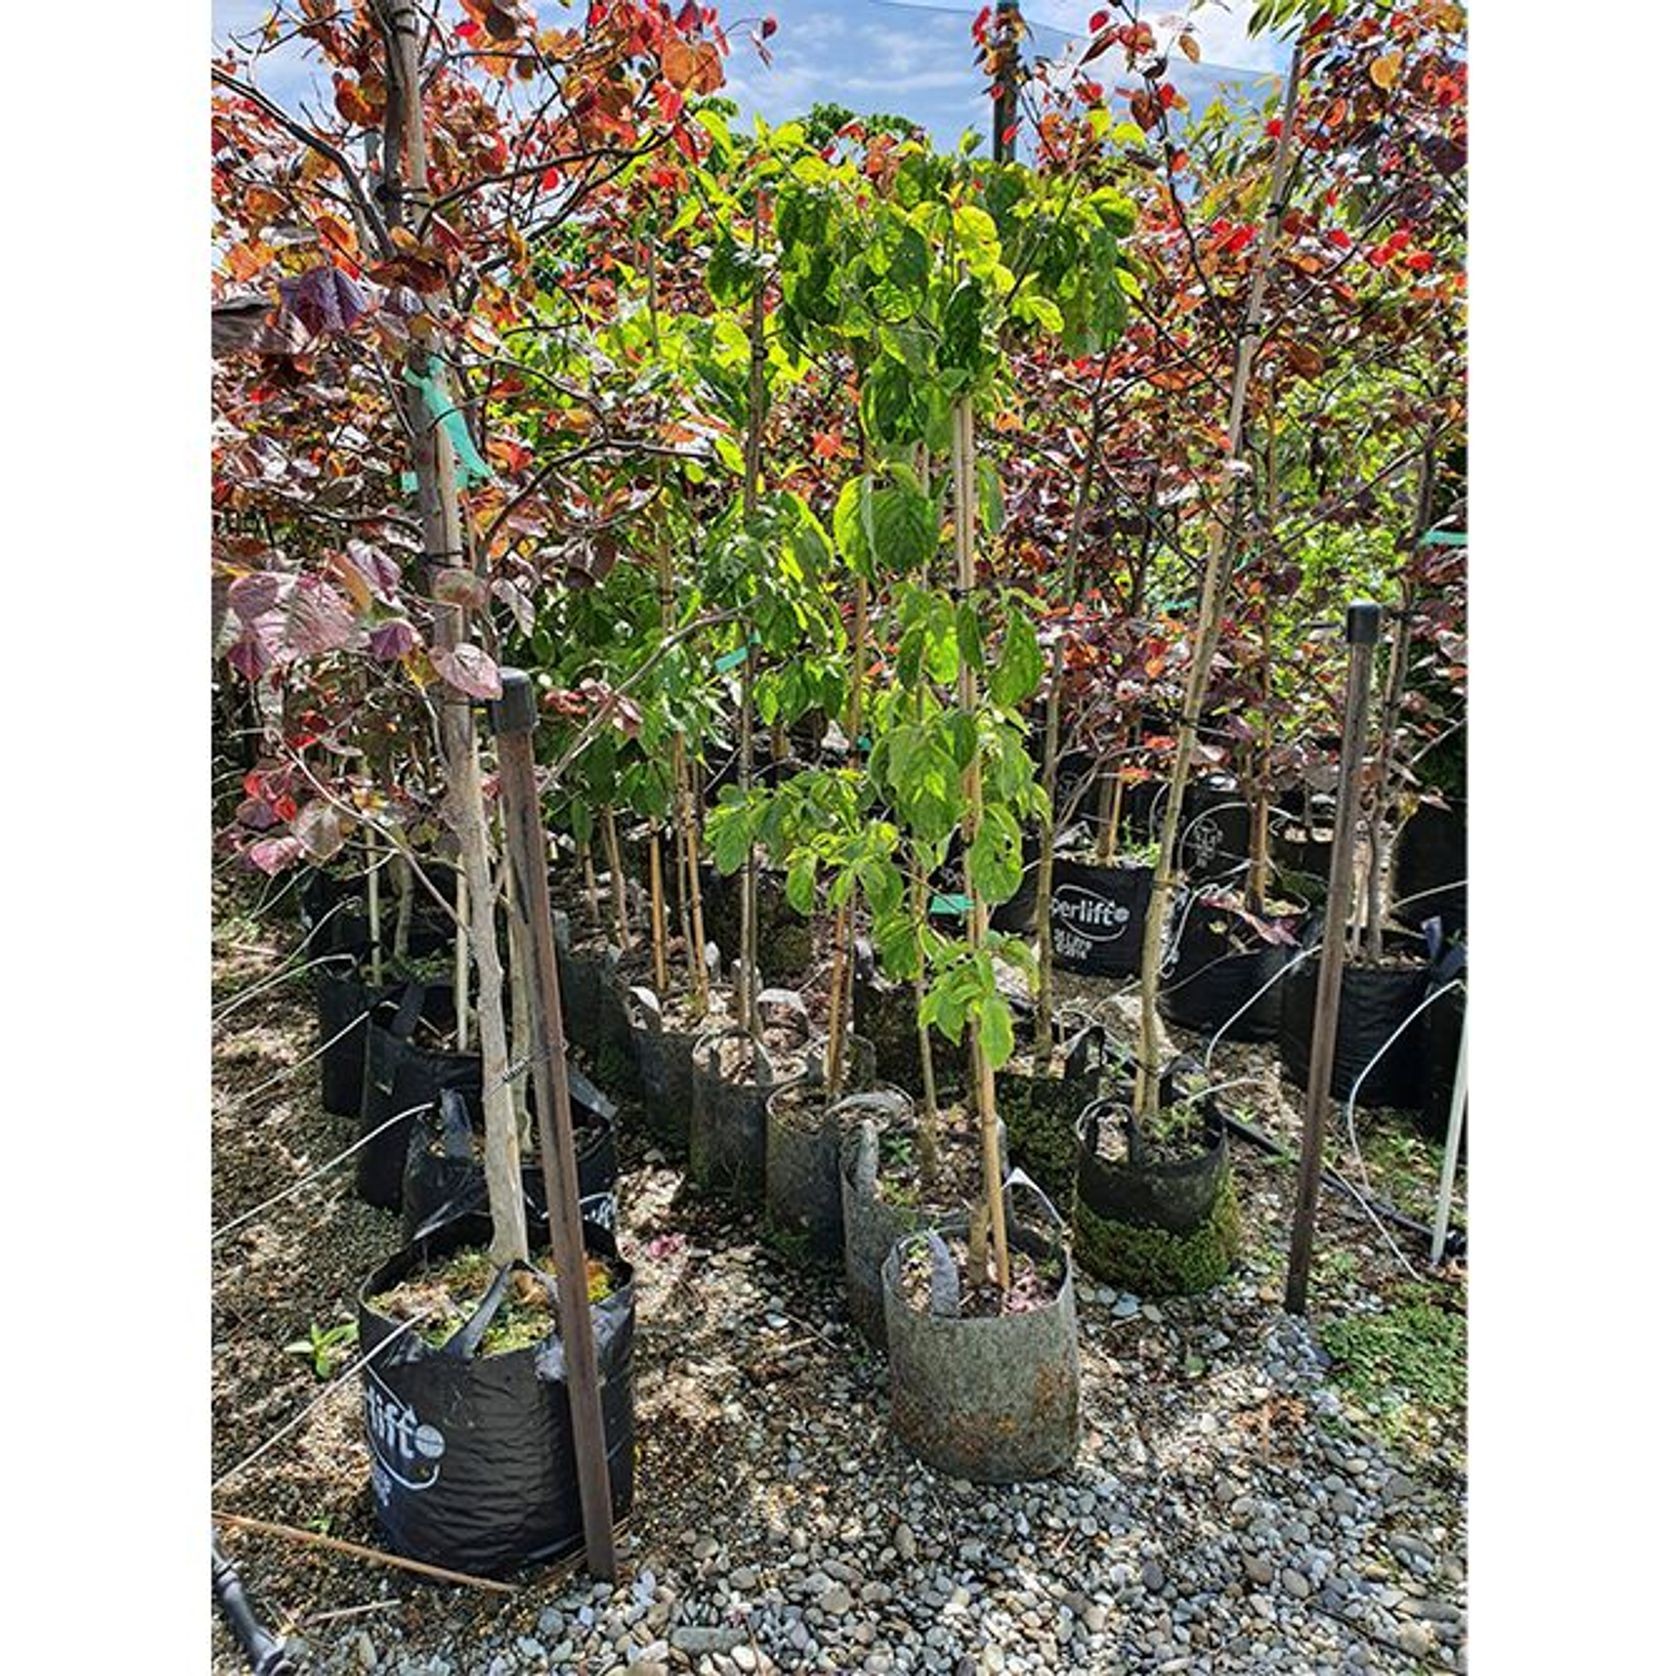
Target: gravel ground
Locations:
point(1232, 1506)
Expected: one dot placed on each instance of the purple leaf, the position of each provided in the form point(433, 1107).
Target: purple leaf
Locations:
point(325, 299)
point(390, 641)
point(468, 668)
point(274, 855)
point(257, 814)
point(464, 588)
point(251, 596)
point(319, 830)
point(318, 619)
point(380, 572)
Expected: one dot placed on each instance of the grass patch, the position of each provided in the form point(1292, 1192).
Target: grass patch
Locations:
point(1404, 1368)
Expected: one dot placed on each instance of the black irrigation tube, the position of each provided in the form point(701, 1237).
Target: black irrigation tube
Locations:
point(1454, 1246)
point(267, 1656)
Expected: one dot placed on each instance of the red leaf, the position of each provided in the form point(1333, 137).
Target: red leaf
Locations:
point(1098, 22)
point(469, 669)
point(1273, 128)
point(770, 27)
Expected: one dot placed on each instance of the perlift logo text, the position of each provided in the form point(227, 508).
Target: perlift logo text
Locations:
point(409, 1452)
point(1097, 917)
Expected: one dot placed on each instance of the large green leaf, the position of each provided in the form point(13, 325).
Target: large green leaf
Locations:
point(1019, 671)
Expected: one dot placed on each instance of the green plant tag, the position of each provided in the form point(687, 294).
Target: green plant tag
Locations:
point(732, 660)
point(471, 464)
point(1444, 538)
point(952, 904)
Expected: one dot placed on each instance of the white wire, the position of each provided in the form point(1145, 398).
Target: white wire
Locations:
point(292, 1069)
point(331, 1163)
point(330, 1391)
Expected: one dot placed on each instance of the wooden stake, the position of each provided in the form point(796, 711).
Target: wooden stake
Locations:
point(1362, 633)
point(513, 716)
point(619, 885)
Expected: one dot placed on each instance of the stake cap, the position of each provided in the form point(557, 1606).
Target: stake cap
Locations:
point(514, 710)
point(1361, 623)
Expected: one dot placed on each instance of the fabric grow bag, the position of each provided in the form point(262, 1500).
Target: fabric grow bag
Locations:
point(1214, 838)
point(473, 1460)
point(664, 1061)
point(887, 1014)
point(341, 997)
point(400, 1080)
point(1207, 982)
point(1097, 915)
point(1160, 1228)
point(785, 939)
point(873, 1225)
point(444, 1178)
point(801, 1196)
point(991, 1399)
point(1431, 868)
point(727, 1150)
point(1040, 1113)
point(1373, 1002)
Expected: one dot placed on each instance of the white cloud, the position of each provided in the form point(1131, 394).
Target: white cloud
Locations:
point(1222, 29)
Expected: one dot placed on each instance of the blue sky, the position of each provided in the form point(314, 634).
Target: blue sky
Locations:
point(908, 56)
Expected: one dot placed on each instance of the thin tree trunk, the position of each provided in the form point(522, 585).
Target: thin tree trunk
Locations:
point(660, 951)
point(439, 509)
point(1211, 599)
point(619, 885)
point(590, 883)
point(1396, 678)
point(375, 922)
point(977, 920)
point(462, 960)
point(686, 777)
point(404, 907)
point(1049, 830)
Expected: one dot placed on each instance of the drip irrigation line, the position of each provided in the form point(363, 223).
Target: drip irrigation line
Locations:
point(1256, 995)
point(331, 1390)
point(1355, 1089)
point(313, 1175)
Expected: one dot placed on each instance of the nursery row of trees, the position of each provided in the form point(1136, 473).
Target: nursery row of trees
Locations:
point(868, 516)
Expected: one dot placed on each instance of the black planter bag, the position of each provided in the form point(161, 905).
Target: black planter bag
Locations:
point(401, 1077)
point(1206, 983)
point(1431, 867)
point(1098, 915)
point(1158, 1227)
point(341, 996)
point(1372, 1003)
point(1213, 840)
point(664, 1061)
point(1444, 1020)
point(473, 1461)
point(885, 1013)
point(1040, 1113)
point(785, 939)
point(443, 1177)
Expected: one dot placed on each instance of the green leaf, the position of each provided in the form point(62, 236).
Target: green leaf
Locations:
point(995, 1029)
point(997, 857)
point(964, 734)
point(800, 884)
point(1019, 671)
point(910, 655)
point(991, 511)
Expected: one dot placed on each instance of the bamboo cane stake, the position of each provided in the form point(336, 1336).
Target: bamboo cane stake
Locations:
point(313, 1539)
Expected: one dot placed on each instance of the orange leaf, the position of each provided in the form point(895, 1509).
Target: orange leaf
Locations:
point(245, 261)
point(1383, 72)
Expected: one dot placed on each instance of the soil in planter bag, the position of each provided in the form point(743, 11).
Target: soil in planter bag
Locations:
point(473, 1461)
point(444, 1175)
point(1373, 1002)
point(401, 1079)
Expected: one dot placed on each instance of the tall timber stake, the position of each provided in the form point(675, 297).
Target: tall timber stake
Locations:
point(1361, 629)
point(513, 719)
point(1004, 38)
